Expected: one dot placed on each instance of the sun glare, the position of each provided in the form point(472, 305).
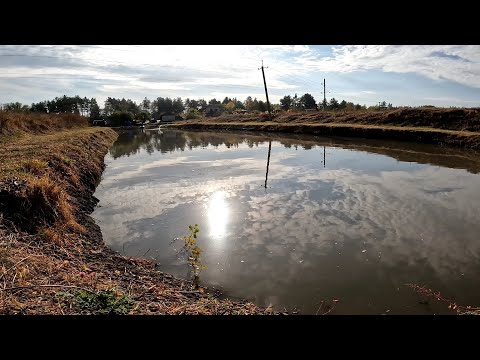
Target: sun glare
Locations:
point(218, 213)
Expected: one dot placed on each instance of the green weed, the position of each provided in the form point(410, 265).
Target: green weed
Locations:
point(104, 302)
point(192, 250)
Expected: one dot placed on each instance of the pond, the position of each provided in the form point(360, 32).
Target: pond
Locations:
point(352, 220)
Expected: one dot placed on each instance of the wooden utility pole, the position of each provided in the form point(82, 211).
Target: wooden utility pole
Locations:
point(324, 96)
point(266, 93)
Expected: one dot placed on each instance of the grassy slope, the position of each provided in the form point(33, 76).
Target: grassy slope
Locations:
point(19, 123)
point(437, 118)
point(52, 257)
point(453, 127)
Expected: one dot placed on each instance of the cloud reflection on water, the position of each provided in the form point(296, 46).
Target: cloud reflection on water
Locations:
point(310, 225)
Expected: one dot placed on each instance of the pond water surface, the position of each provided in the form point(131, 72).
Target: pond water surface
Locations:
point(340, 219)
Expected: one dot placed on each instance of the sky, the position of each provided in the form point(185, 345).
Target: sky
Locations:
point(404, 75)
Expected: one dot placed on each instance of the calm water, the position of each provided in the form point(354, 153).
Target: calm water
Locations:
point(353, 220)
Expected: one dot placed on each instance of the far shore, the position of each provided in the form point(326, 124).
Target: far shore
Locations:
point(448, 127)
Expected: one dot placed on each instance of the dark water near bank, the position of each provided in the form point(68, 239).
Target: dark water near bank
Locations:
point(353, 220)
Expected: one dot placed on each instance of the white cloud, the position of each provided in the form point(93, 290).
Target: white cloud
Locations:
point(195, 71)
point(216, 70)
point(458, 63)
point(450, 100)
point(301, 48)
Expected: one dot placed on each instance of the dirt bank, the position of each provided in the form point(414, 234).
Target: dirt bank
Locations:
point(52, 257)
point(424, 117)
point(450, 127)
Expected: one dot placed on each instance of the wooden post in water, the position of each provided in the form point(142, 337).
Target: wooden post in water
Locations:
point(323, 155)
point(268, 161)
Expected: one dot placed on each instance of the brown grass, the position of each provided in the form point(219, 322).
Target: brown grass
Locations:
point(39, 173)
point(35, 166)
point(50, 235)
point(425, 117)
point(48, 201)
point(17, 123)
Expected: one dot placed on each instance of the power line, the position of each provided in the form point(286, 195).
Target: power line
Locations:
point(313, 84)
point(310, 83)
point(299, 79)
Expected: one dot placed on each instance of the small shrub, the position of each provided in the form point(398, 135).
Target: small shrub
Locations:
point(192, 250)
point(104, 302)
point(192, 114)
point(121, 118)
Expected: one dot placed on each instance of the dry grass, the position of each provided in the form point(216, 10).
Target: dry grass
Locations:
point(426, 117)
point(48, 201)
point(40, 173)
point(17, 123)
point(35, 166)
point(460, 309)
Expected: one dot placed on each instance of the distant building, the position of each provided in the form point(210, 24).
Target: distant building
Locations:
point(212, 110)
point(239, 111)
point(99, 122)
point(167, 117)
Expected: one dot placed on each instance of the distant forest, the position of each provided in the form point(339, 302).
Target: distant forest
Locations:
point(188, 108)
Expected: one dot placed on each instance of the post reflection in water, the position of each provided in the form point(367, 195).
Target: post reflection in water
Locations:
point(218, 213)
point(268, 161)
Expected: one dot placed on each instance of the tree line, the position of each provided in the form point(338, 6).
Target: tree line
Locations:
point(66, 104)
point(127, 109)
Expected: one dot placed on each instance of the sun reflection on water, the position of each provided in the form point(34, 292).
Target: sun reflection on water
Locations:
point(218, 213)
